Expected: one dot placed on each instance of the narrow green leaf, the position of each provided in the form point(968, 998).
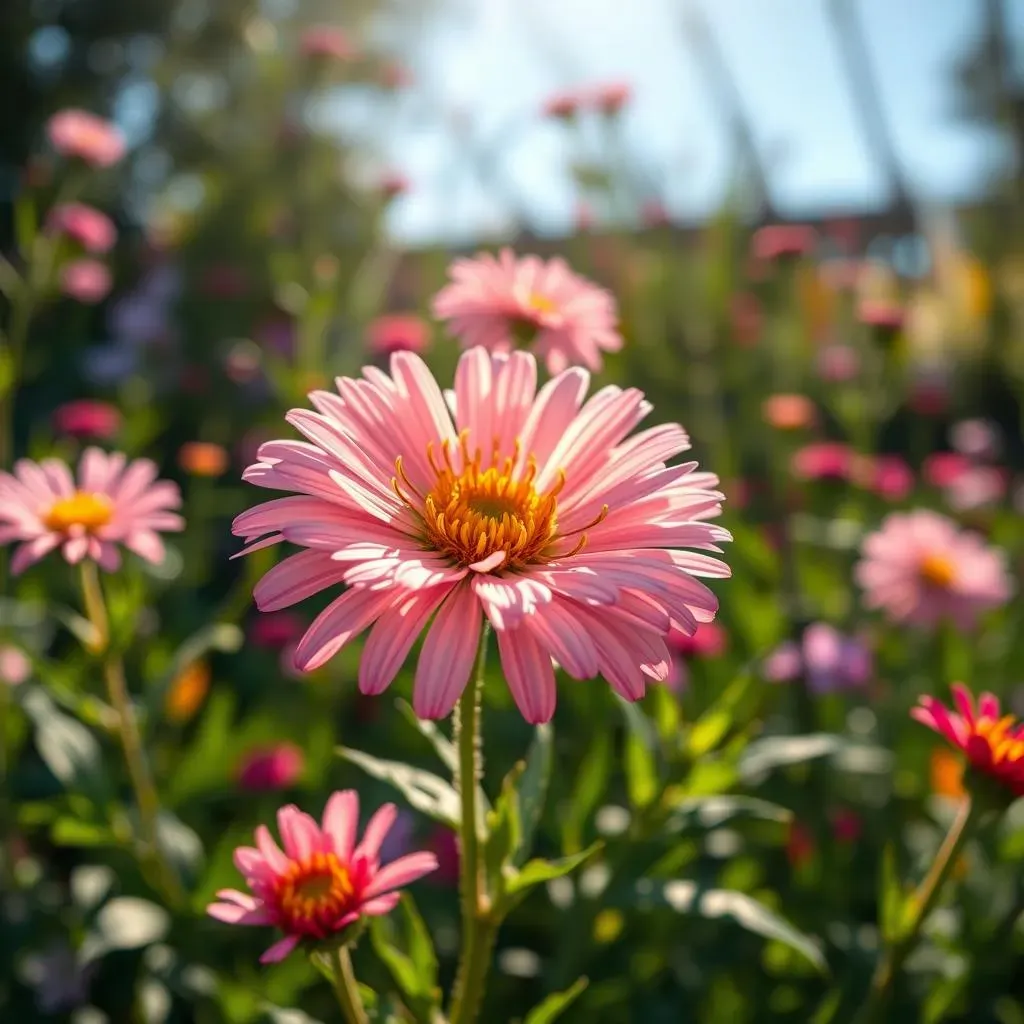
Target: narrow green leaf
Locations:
point(533, 788)
point(642, 782)
point(24, 224)
point(709, 731)
point(781, 751)
point(443, 747)
point(686, 897)
point(556, 1003)
point(7, 371)
point(891, 902)
point(708, 812)
point(504, 830)
point(587, 791)
point(536, 871)
point(424, 791)
point(408, 953)
point(76, 832)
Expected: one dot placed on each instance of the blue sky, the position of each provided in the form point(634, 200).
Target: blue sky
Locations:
point(491, 63)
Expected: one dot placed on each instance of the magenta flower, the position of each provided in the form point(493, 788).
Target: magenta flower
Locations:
point(398, 332)
point(276, 630)
point(823, 460)
point(86, 281)
point(269, 768)
point(534, 509)
point(830, 660)
point(113, 502)
point(323, 880)
point(77, 133)
point(943, 469)
point(85, 418)
point(494, 302)
point(92, 229)
point(920, 568)
point(888, 476)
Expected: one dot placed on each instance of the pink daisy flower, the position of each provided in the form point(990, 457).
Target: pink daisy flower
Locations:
point(534, 509)
point(322, 881)
point(269, 768)
point(495, 302)
point(113, 502)
point(86, 418)
point(921, 568)
point(77, 133)
point(92, 229)
point(992, 742)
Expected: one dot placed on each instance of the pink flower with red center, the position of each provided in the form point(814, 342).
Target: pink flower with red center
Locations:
point(85, 418)
point(781, 241)
point(536, 510)
point(92, 229)
point(494, 302)
point(398, 332)
point(921, 569)
point(993, 742)
point(323, 880)
point(327, 42)
point(77, 133)
point(113, 502)
point(823, 460)
point(85, 281)
point(270, 768)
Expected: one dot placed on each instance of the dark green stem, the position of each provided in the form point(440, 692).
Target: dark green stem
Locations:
point(347, 989)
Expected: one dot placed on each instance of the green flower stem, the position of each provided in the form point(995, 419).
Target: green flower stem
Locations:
point(146, 798)
point(875, 1007)
point(478, 925)
point(347, 989)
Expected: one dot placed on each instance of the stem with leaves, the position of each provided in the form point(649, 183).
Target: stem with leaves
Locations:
point(146, 799)
point(875, 1007)
point(347, 989)
point(479, 927)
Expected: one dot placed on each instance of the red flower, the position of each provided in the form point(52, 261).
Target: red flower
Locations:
point(993, 742)
point(85, 418)
point(270, 768)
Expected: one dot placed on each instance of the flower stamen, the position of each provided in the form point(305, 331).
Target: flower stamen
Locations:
point(83, 509)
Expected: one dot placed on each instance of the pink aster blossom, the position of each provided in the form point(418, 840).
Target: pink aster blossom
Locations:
point(270, 768)
point(77, 133)
point(494, 302)
point(921, 568)
point(323, 880)
point(888, 476)
point(86, 418)
point(113, 502)
point(534, 509)
point(823, 460)
point(398, 332)
point(943, 469)
point(86, 281)
point(92, 229)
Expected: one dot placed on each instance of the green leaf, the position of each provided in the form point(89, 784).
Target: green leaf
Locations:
point(409, 956)
point(554, 1005)
point(70, 831)
point(642, 777)
point(67, 747)
point(7, 371)
point(687, 897)
point(504, 830)
point(25, 224)
point(533, 788)
point(764, 756)
point(536, 871)
point(713, 726)
point(893, 907)
point(709, 812)
point(425, 792)
point(181, 847)
point(588, 789)
point(443, 747)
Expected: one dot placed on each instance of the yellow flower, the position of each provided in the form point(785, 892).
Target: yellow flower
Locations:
point(187, 692)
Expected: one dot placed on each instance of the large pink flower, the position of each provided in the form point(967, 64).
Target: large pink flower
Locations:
point(496, 302)
point(114, 502)
point(921, 568)
point(322, 881)
point(534, 509)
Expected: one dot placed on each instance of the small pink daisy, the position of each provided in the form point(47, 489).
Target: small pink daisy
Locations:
point(495, 302)
point(114, 502)
point(921, 568)
point(535, 509)
point(92, 229)
point(322, 881)
point(77, 133)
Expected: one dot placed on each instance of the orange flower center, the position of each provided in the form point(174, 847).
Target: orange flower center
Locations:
point(937, 570)
point(312, 894)
point(90, 511)
point(1000, 734)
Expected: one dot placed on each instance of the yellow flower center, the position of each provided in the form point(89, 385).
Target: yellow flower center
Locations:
point(540, 303)
point(312, 894)
point(937, 570)
point(997, 733)
point(90, 511)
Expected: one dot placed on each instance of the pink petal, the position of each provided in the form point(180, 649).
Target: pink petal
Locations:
point(344, 618)
point(401, 872)
point(529, 674)
point(341, 820)
point(272, 854)
point(33, 551)
point(964, 702)
point(300, 835)
point(279, 950)
point(376, 831)
point(448, 653)
point(296, 578)
point(380, 905)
